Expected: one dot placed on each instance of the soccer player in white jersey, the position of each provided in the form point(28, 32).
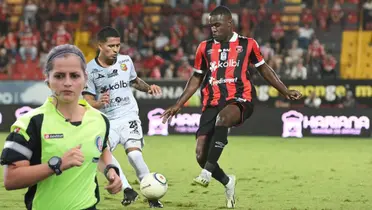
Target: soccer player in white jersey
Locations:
point(110, 76)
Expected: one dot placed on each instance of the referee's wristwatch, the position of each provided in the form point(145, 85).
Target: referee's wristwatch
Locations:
point(55, 164)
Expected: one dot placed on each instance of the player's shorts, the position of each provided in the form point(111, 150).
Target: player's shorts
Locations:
point(209, 115)
point(127, 133)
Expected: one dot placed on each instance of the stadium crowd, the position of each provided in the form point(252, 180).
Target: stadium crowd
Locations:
point(165, 48)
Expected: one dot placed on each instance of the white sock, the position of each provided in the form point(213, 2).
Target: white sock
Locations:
point(136, 160)
point(122, 176)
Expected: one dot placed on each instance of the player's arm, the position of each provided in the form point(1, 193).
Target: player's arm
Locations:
point(18, 149)
point(92, 100)
point(192, 86)
point(141, 85)
point(269, 74)
point(194, 82)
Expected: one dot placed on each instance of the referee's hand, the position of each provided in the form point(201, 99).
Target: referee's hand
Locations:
point(114, 185)
point(73, 157)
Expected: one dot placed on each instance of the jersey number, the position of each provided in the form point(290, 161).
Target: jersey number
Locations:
point(133, 125)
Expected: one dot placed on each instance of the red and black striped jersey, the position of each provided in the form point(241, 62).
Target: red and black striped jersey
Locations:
point(225, 66)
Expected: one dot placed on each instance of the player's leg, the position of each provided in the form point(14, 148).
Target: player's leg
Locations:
point(130, 195)
point(133, 147)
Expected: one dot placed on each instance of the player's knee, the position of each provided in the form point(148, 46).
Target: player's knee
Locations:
point(223, 120)
point(131, 149)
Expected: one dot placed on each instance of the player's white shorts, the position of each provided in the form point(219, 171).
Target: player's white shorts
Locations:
point(127, 133)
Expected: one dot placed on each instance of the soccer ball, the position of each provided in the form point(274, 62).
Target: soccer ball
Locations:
point(154, 186)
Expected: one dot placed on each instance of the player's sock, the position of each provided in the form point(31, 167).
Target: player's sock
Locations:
point(219, 140)
point(136, 160)
point(122, 175)
point(220, 175)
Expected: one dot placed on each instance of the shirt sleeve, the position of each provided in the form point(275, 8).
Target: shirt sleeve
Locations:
point(22, 142)
point(133, 73)
point(255, 57)
point(104, 146)
point(90, 87)
point(200, 64)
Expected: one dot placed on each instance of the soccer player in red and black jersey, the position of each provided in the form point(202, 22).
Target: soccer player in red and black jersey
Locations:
point(221, 69)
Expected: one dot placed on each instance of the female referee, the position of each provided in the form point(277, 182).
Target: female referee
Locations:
point(55, 150)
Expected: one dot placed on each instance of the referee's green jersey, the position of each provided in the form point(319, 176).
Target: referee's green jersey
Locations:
point(43, 133)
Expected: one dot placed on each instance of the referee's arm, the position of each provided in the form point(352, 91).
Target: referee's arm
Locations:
point(19, 147)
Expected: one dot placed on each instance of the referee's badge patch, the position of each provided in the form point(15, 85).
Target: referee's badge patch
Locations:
point(99, 143)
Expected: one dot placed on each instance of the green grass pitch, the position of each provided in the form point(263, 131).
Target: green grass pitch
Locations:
point(272, 173)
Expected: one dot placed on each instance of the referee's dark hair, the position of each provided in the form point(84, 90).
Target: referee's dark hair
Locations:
point(221, 10)
point(107, 32)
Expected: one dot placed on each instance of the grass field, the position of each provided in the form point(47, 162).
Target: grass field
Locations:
point(272, 173)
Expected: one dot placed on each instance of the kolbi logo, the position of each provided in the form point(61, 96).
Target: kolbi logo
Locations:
point(213, 66)
point(118, 85)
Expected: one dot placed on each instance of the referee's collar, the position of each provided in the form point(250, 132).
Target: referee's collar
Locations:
point(232, 39)
point(82, 102)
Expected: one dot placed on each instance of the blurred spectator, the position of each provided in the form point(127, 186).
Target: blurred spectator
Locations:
point(61, 36)
point(29, 13)
point(131, 34)
point(11, 45)
point(42, 15)
point(367, 15)
point(267, 52)
point(313, 101)
point(4, 19)
point(305, 34)
point(169, 71)
point(295, 53)
point(299, 71)
point(44, 50)
point(315, 57)
point(28, 45)
point(277, 35)
point(184, 71)
point(349, 101)
point(336, 13)
point(329, 67)
point(152, 64)
point(4, 62)
point(307, 16)
point(323, 17)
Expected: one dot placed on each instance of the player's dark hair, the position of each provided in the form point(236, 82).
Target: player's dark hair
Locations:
point(107, 32)
point(221, 10)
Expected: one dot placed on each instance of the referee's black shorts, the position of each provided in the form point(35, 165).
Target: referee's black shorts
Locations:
point(209, 115)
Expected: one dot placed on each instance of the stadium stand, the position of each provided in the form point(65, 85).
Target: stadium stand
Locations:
point(161, 35)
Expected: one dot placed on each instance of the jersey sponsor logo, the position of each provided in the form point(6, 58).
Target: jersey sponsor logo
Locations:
point(113, 74)
point(117, 85)
point(118, 101)
point(123, 67)
point(100, 76)
point(53, 136)
point(213, 81)
point(96, 70)
point(213, 66)
point(133, 125)
point(99, 143)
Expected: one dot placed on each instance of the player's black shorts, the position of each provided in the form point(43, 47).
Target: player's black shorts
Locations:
point(209, 115)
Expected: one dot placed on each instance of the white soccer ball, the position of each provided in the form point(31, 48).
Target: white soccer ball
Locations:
point(154, 186)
